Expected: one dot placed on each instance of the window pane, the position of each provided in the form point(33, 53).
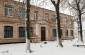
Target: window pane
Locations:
point(31, 31)
point(8, 32)
point(54, 33)
point(61, 32)
point(46, 16)
point(8, 10)
point(71, 32)
point(65, 21)
point(22, 12)
point(66, 32)
point(21, 31)
point(35, 15)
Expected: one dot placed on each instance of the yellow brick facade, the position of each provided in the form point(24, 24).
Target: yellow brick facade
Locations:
point(17, 21)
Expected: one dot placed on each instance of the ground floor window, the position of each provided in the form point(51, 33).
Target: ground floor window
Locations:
point(71, 32)
point(8, 32)
point(21, 32)
point(54, 33)
point(31, 31)
point(61, 32)
point(66, 32)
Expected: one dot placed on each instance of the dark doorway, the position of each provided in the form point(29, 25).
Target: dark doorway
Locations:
point(43, 34)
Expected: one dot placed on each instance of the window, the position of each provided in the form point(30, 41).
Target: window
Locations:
point(71, 32)
point(46, 16)
point(54, 33)
point(21, 31)
point(8, 10)
point(71, 22)
point(66, 32)
point(35, 15)
point(31, 31)
point(61, 32)
point(8, 32)
point(53, 16)
point(65, 21)
point(22, 12)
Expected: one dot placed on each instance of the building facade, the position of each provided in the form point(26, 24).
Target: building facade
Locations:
point(43, 24)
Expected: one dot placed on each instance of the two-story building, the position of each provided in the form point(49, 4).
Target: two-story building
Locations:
point(43, 24)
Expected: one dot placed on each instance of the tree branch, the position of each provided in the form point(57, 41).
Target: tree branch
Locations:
point(83, 13)
point(72, 6)
point(83, 8)
point(53, 2)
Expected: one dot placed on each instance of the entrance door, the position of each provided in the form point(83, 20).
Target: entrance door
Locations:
point(43, 34)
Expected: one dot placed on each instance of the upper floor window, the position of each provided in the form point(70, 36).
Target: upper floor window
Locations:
point(53, 16)
point(21, 31)
point(65, 21)
point(46, 16)
point(8, 32)
point(71, 22)
point(35, 15)
point(22, 12)
point(8, 10)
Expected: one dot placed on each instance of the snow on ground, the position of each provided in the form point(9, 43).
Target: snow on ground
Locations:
point(42, 49)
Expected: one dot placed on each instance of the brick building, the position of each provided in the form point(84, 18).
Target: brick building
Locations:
point(43, 25)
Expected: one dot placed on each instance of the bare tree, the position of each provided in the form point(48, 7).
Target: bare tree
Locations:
point(28, 27)
point(56, 4)
point(78, 6)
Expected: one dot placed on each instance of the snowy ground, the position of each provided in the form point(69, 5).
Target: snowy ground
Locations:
point(42, 49)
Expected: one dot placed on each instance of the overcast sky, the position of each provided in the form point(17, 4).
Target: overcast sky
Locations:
point(47, 5)
point(41, 3)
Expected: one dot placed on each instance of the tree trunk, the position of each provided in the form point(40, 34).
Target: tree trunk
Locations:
point(80, 23)
point(81, 36)
point(28, 45)
point(59, 28)
point(58, 22)
point(28, 27)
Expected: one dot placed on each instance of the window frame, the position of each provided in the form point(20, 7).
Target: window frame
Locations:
point(66, 33)
point(8, 33)
point(54, 33)
point(22, 32)
point(35, 15)
point(8, 10)
point(46, 16)
point(71, 32)
point(22, 12)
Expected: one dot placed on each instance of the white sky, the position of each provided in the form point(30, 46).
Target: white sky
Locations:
point(47, 5)
point(42, 3)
